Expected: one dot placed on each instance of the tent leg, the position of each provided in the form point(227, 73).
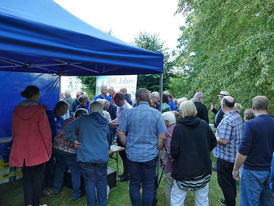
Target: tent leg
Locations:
point(59, 87)
point(157, 182)
point(161, 90)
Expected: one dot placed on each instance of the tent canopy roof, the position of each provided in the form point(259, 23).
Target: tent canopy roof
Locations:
point(40, 36)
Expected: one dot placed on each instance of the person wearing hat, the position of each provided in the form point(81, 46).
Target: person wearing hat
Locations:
point(92, 154)
point(218, 113)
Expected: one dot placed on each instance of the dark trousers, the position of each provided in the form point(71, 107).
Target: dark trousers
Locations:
point(49, 172)
point(66, 160)
point(142, 173)
point(32, 183)
point(226, 181)
point(95, 175)
point(123, 156)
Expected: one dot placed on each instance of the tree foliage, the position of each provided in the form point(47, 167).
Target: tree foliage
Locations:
point(152, 42)
point(226, 45)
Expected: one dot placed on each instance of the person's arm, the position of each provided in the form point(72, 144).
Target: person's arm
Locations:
point(70, 129)
point(222, 141)
point(122, 136)
point(161, 140)
point(212, 108)
point(240, 159)
point(122, 129)
point(223, 132)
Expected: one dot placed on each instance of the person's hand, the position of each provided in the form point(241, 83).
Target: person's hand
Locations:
point(114, 125)
point(211, 106)
point(76, 144)
point(235, 174)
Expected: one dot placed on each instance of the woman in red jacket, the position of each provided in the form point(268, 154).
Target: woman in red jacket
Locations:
point(32, 145)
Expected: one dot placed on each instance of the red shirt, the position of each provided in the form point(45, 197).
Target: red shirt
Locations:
point(31, 136)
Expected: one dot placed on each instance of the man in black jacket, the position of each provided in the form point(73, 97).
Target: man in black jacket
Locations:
point(218, 113)
point(201, 108)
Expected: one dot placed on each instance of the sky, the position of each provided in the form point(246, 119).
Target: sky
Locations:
point(127, 18)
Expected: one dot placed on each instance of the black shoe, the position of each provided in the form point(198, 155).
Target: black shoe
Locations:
point(123, 179)
point(222, 201)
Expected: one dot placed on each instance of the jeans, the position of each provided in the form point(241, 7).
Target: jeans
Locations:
point(95, 174)
point(255, 188)
point(142, 173)
point(178, 196)
point(226, 181)
point(32, 183)
point(66, 160)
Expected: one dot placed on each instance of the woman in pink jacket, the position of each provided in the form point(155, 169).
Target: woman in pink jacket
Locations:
point(32, 145)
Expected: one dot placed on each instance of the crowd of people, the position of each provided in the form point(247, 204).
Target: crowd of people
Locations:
point(77, 135)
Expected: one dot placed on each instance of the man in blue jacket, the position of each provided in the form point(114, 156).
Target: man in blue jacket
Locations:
point(92, 152)
point(256, 151)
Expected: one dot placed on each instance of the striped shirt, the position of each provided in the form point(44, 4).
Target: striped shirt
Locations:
point(143, 124)
point(230, 128)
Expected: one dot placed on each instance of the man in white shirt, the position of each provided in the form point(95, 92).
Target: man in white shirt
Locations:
point(122, 107)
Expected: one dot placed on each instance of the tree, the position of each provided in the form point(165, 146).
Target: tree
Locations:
point(226, 45)
point(151, 81)
point(90, 84)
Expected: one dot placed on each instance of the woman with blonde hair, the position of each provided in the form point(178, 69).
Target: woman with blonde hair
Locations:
point(191, 144)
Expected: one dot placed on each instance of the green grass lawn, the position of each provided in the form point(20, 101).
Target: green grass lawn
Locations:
point(11, 194)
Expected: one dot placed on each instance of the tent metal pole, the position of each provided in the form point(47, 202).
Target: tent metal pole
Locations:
point(161, 90)
point(59, 87)
point(158, 164)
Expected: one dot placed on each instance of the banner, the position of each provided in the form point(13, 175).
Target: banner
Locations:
point(117, 82)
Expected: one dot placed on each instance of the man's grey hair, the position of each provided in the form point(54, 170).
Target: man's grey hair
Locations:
point(260, 103)
point(197, 96)
point(102, 87)
point(142, 95)
point(67, 92)
point(83, 98)
point(153, 94)
point(80, 112)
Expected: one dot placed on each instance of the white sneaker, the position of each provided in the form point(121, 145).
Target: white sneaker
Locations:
point(43, 205)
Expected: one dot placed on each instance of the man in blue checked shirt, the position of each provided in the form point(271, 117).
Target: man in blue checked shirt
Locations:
point(228, 140)
point(145, 130)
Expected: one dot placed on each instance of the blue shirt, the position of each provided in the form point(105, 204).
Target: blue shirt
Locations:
point(94, 136)
point(230, 128)
point(143, 124)
point(55, 122)
point(86, 107)
point(100, 97)
point(258, 142)
point(172, 105)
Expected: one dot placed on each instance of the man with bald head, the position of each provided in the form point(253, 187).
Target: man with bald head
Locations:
point(256, 149)
point(228, 139)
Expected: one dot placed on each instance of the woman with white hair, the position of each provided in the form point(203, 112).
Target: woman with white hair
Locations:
point(170, 122)
point(191, 144)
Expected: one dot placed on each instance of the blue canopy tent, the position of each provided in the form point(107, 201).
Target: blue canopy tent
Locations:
point(39, 36)
point(40, 41)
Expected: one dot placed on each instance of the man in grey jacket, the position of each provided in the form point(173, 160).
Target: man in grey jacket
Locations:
point(92, 152)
